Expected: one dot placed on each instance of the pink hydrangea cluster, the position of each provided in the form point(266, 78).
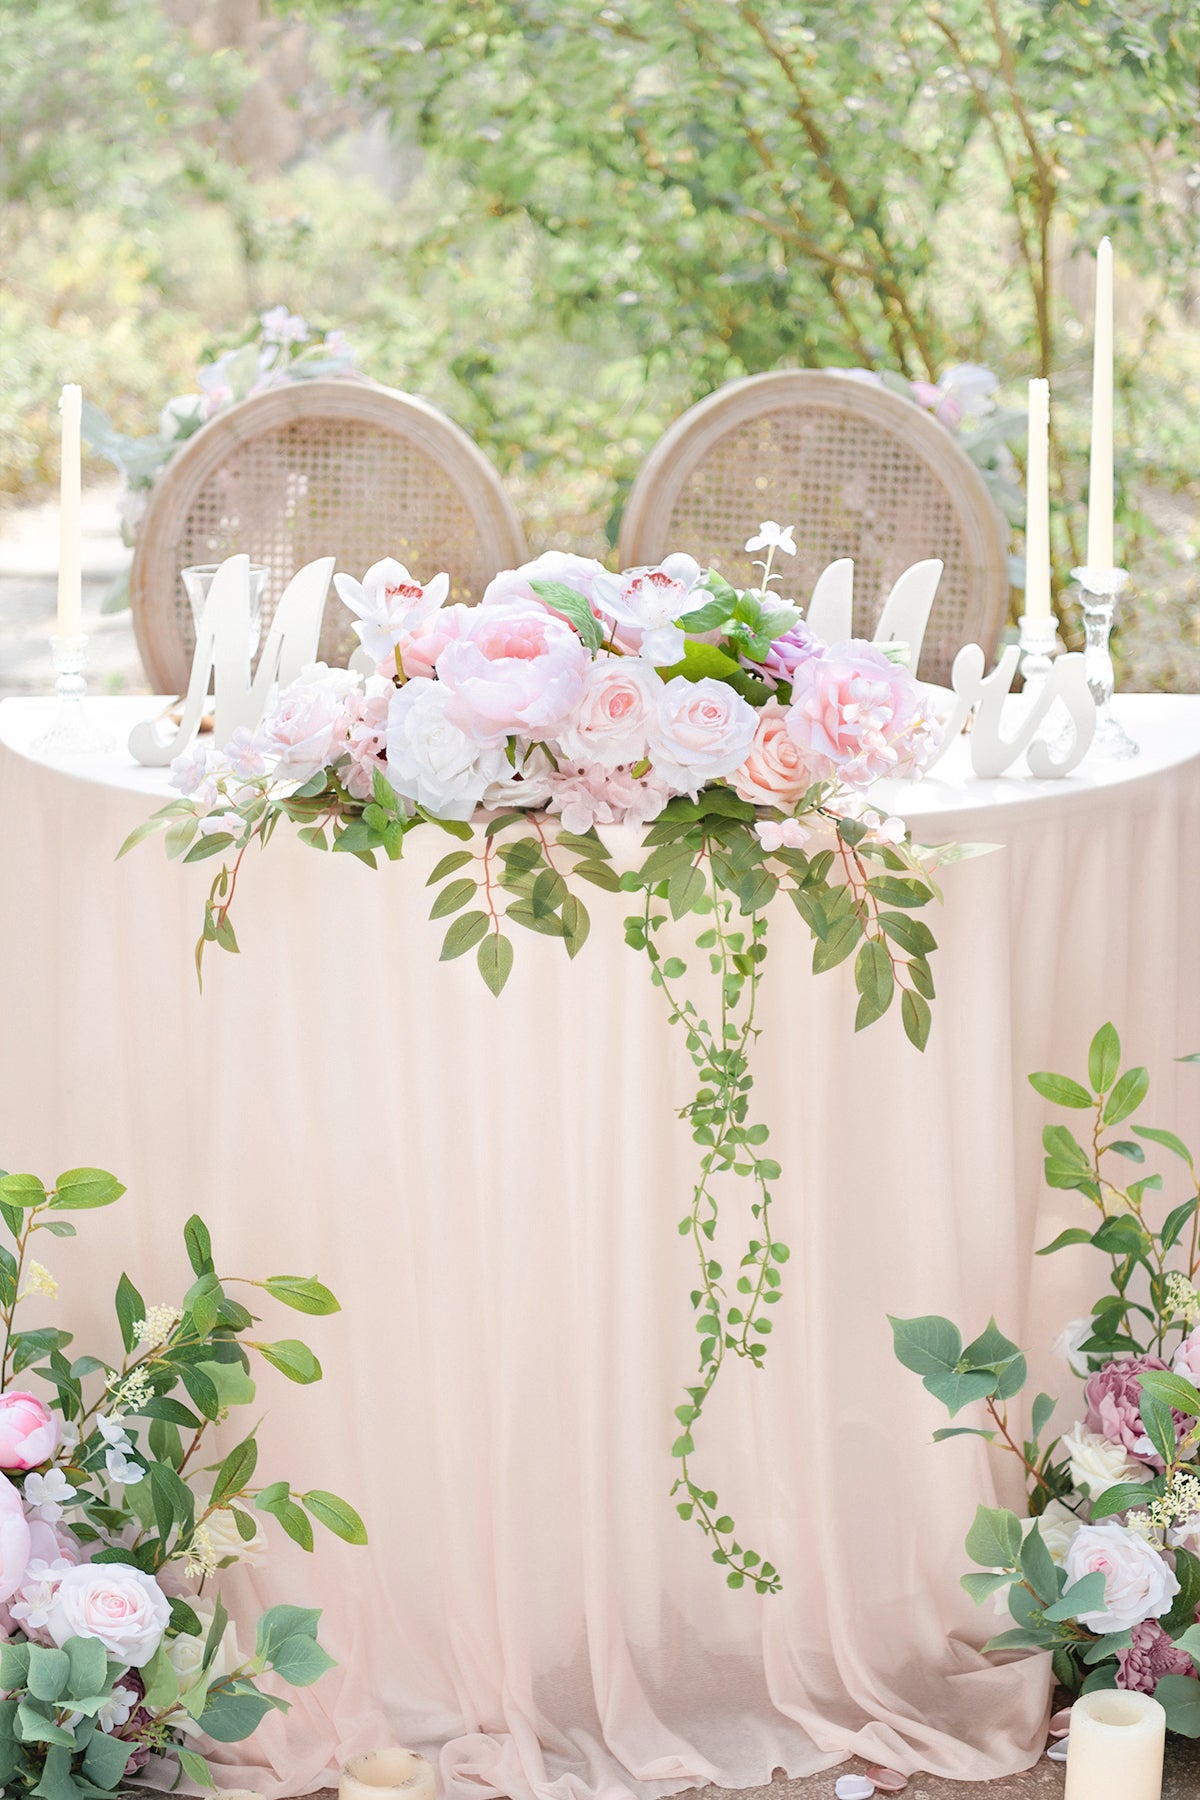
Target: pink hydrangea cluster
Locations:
point(524, 701)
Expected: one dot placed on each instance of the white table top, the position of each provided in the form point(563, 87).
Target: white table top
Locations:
point(1166, 726)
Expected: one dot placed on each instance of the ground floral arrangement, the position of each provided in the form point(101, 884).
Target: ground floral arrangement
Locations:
point(571, 700)
point(115, 1519)
point(1105, 1571)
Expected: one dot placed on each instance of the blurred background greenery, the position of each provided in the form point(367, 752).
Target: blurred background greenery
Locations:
point(565, 221)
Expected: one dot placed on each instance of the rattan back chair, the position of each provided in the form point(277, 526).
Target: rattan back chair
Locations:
point(858, 470)
point(317, 468)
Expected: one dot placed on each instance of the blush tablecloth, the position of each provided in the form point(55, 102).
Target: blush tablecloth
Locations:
point(492, 1188)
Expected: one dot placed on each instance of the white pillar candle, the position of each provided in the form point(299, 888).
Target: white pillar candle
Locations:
point(387, 1775)
point(70, 594)
point(1115, 1750)
point(239, 1794)
point(1100, 482)
point(1037, 503)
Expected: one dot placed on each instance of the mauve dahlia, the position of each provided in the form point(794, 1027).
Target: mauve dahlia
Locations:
point(1150, 1656)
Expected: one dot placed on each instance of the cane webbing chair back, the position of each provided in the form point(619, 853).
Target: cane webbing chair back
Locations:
point(858, 471)
point(318, 468)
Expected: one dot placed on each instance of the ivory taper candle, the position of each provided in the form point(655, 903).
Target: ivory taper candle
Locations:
point(1037, 503)
point(387, 1775)
point(1100, 480)
point(1115, 1750)
point(70, 592)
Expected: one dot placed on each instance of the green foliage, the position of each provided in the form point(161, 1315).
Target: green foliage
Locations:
point(1150, 1306)
point(148, 1510)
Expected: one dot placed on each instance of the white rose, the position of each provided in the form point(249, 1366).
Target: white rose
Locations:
point(610, 724)
point(1066, 1345)
point(227, 1541)
point(1057, 1526)
point(525, 785)
point(337, 681)
point(1138, 1582)
point(124, 1609)
point(700, 731)
point(185, 1653)
point(432, 761)
point(1097, 1463)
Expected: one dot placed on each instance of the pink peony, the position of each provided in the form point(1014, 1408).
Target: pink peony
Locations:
point(774, 772)
point(518, 671)
point(1114, 1399)
point(115, 1603)
point(29, 1432)
point(14, 1540)
point(52, 1543)
point(610, 725)
point(1150, 1656)
point(856, 717)
point(701, 731)
point(301, 729)
point(587, 795)
point(578, 572)
point(366, 723)
point(796, 646)
point(422, 641)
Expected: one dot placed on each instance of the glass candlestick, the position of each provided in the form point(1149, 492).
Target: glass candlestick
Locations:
point(1038, 640)
point(1099, 589)
point(72, 732)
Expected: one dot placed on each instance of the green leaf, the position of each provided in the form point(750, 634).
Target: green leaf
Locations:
point(1060, 1089)
point(1038, 1567)
point(994, 1538)
point(293, 1359)
point(912, 935)
point(22, 1190)
point(1179, 1696)
point(130, 1308)
point(990, 1349)
point(336, 1515)
point(281, 1622)
point(1043, 1408)
point(928, 1346)
point(1173, 1390)
point(701, 662)
point(1127, 1096)
point(495, 959)
point(230, 1717)
point(575, 923)
point(106, 1759)
point(1159, 1422)
point(14, 1665)
point(1075, 1234)
point(463, 935)
point(900, 890)
point(198, 1244)
point(88, 1667)
point(1085, 1596)
point(980, 1585)
point(961, 1387)
point(300, 1661)
point(573, 606)
point(1167, 1139)
point(1175, 1221)
point(1120, 1497)
point(1183, 1607)
point(454, 859)
point(843, 934)
point(916, 1016)
point(875, 982)
point(303, 1293)
point(295, 1523)
point(1104, 1059)
point(49, 1672)
point(196, 1768)
point(453, 896)
point(236, 1471)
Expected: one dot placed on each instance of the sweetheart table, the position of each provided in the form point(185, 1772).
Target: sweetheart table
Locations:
point(492, 1189)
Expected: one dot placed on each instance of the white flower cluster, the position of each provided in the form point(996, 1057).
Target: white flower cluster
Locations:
point(154, 1330)
point(38, 1280)
point(1182, 1298)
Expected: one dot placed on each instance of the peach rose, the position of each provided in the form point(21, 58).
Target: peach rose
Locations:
point(774, 772)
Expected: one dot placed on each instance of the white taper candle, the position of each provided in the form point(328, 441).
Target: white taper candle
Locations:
point(1037, 503)
point(1100, 482)
point(70, 592)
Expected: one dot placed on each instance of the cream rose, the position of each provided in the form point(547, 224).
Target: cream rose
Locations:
point(1138, 1582)
point(227, 1541)
point(185, 1653)
point(123, 1608)
point(1097, 1463)
point(1057, 1526)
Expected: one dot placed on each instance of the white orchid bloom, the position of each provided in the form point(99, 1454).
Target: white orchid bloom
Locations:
point(773, 537)
point(649, 601)
point(388, 602)
point(46, 1494)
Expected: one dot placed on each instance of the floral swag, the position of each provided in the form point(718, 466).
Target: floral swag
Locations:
point(571, 701)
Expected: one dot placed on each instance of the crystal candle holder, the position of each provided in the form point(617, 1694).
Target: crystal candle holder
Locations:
point(72, 732)
point(1098, 591)
point(1038, 641)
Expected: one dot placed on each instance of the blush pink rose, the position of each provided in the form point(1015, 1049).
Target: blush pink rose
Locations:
point(610, 725)
point(1114, 1401)
point(422, 644)
point(115, 1603)
point(29, 1432)
point(518, 671)
point(1139, 1583)
point(14, 1540)
point(701, 731)
point(774, 772)
point(1150, 1656)
point(301, 729)
point(856, 717)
